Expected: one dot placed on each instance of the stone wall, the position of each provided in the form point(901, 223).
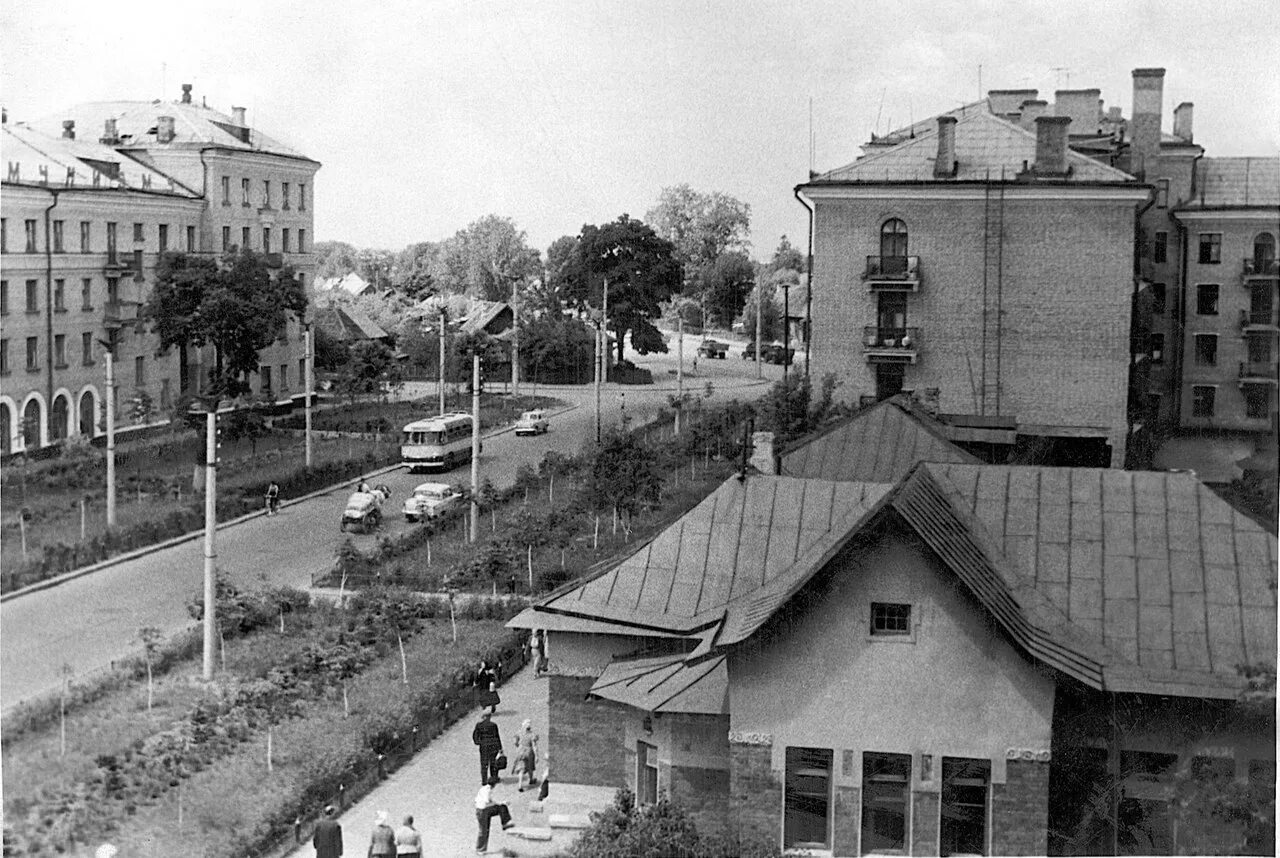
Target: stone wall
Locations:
point(1020, 810)
point(755, 793)
point(704, 794)
point(585, 737)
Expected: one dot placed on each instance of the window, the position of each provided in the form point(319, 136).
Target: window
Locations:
point(890, 619)
point(33, 354)
point(302, 241)
point(284, 195)
point(1157, 348)
point(58, 226)
point(1162, 193)
point(1206, 349)
point(226, 238)
point(284, 376)
point(137, 233)
point(302, 372)
point(4, 357)
point(111, 240)
point(1210, 248)
point(166, 400)
point(60, 351)
point(113, 290)
point(60, 296)
point(164, 238)
point(33, 296)
point(226, 190)
point(1160, 251)
point(893, 247)
point(1264, 252)
point(191, 239)
point(646, 773)
point(1258, 347)
point(266, 239)
point(265, 373)
point(266, 193)
point(84, 236)
point(244, 192)
point(1257, 401)
point(1159, 298)
point(86, 293)
point(964, 806)
point(86, 348)
point(886, 784)
point(4, 235)
point(284, 239)
point(244, 238)
point(302, 197)
point(30, 227)
point(1202, 396)
point(1207, 299)
point(806, 822)
point(4, 297)
point(139, 370)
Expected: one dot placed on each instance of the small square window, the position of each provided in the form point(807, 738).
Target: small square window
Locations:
point(1210, 248)
point(1207, 299)
point(890, 619)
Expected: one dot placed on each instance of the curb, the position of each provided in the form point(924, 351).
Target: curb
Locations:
point(195, 534)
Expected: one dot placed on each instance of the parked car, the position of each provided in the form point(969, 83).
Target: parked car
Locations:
point(432, 500)
point(776, 352)
point(364, 509)
point(713, 349)
point(749, 351)
point(532, 423)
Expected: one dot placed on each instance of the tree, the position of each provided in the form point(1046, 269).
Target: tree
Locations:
point(770, 313)
point(484, 259)
point(236, 304)
point(371, 365)
point(702, 226)
point(412, 269)
point(151, 638)
point(725, 285)
point(624, 475)
point(334, 259)
point(331, 353)
point(642, 273)
point(555, 349)
point(549, 297)
point(786, 257)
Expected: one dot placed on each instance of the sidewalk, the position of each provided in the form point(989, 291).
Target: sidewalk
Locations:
point(439, 786)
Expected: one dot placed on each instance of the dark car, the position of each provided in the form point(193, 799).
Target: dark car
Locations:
point(749, 351)
point(713, 349)
point(777, 353)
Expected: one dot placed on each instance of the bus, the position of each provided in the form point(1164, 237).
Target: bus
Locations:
point(442, 442)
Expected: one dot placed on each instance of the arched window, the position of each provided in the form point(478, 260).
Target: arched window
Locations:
point(31, 425)
point(1264, 251)
point(893, 247)
point(88, 413)
point(59, 418)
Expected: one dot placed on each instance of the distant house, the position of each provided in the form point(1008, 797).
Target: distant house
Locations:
point(347, 323)
point(923, 658)
point(490, 317)
point(350, 284)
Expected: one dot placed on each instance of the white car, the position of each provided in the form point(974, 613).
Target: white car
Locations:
point(430, 500)
point(532, 423)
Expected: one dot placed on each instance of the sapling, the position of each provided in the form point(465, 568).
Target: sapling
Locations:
point(150, 636)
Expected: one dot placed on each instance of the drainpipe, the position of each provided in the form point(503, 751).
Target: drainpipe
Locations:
point(808, 295)
point(48, 314)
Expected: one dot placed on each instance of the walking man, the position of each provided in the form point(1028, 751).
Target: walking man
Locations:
point(486, 736)
point(328, 836)
point(486, 809)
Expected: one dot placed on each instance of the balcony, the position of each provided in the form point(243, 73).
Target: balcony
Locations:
point(118, 314)
point(1261, 269)
point(890, 345)
point(1257, 372)
point(123, 264)
point(892, 273)
point(273, 260)
point(1259, 320)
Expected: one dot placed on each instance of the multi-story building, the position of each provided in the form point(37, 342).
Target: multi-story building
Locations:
point(162, 176)
point(985, 259)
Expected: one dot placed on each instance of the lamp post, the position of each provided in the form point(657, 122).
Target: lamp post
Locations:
point(515, 337)
point(475, 446)
point(111, 435)
point(786, 333)
point(210, 534)
point(309, 386)
point(440, 379)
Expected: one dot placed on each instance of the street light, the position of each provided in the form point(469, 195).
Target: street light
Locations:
point(210, 403)
point(110, 408)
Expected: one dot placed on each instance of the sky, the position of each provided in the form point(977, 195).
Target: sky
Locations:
point(429, 115)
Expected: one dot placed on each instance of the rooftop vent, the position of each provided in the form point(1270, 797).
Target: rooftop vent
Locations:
point(186, 93)
point(69, 129)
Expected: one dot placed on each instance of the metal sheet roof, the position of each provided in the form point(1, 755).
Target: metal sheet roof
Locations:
point(35, 158)
point(667, 684)
point(1236, 183)
point(878, 444)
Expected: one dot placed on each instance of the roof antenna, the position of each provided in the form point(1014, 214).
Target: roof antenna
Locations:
point(880, 108)
point(911, 118)
point(979, 81)
point(748, 431)
point(811, 136)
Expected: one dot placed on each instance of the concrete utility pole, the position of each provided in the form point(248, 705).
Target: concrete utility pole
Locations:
point(602, 352)
point(475, 446)
point(786, 333)
point(679, 367)
point(111, 438)
point(515, 338)
point(759, 329)
point(440, 380)
point(309, 386)
point(210, 536)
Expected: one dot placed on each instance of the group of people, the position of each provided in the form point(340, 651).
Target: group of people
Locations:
point(493, 760)
point(404, 841)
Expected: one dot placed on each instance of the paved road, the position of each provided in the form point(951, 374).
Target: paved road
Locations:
point(90, 621)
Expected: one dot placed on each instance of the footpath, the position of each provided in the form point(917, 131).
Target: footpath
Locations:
point(439, 785)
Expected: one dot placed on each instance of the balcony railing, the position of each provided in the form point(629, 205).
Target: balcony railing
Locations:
point(273, 260)
point(890, 345)
point(1261, 267)
point(898, 273)
point(117, 314)
point(1259, 319)
point(129, 262)
point(1258, 371)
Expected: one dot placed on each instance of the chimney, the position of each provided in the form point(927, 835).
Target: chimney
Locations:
point(762, 458)
point(237, 116)
point(945, 166)
point(164, 129)
point(1182, 120)
point(109, 135)
point(186, 93)
point(1032, 109)
point(69, 129)
point(1051, 145)
point(1148, 96)
point(1083, 106)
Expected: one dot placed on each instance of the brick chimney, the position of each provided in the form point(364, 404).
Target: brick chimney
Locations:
point(237, 116)
point(1148, 96)
point(1032, 109)
point(69, 129)
point(945, 165)
point(164, 129)
point(109, 134)
point(1182, 120)
point(186, 93)
point(1084, 106)
point(1051, 145)
point(762, 456)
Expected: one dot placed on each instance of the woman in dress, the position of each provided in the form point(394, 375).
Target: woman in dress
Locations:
point(487, 685)
point(526, 754)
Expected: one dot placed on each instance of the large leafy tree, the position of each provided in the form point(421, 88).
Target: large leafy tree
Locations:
point(725, 285)
point(702, 226)
point(484, 259)
point(334, 259)
point(236, 304)
point(412, 269)
point(642, 273)
point(787, 257)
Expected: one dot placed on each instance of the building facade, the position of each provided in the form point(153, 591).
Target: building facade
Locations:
point(133, 180)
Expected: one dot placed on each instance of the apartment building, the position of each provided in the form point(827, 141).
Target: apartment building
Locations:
point(979, 258)
point(238, 188)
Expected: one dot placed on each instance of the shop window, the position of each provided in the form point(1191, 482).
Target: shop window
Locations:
point(646, 773)
point(1206, 349)
point(807, 800)
point(1202, 400)
point(1210, 248)
point(963, 829)
point(886, 785)
point(890, 619)
point(1207, 299)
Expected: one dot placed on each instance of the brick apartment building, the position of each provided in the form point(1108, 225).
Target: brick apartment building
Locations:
point(924, 657)
point(92, 197)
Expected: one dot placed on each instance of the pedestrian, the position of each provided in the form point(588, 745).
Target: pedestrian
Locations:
point(486, 736)
point(382, 843)
point(542, 663)
point(544, 788)
point(273, 498)
point(535, 652)
point(526, 760)
point(408, 840)
point(487, 685)
point(486, 809)
point(328, 836)
point(511, 584)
